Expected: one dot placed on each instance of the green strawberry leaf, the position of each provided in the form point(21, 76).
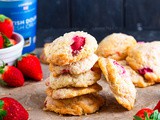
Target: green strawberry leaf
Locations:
point(137, 118)
point(2, 112)
point(2, 18)
point(7, 42)
point(2, 83)
point(1, 104)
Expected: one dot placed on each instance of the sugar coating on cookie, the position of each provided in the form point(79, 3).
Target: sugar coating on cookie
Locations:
point(75, 68)
point(85, 104)
point(115, 46)
point(71, 47)
point(66, 80)
point(120, 82)
point(42, 56)
point(71, 92)
point(136, 78)
point(145, 59)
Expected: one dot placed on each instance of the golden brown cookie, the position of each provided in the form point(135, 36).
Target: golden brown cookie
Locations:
point(82, 80)
point(78, 67)
point(136, 78)
point(64, 93)
point(144, 58)
point(115, 46)
point(71, 47)
point(85, 104)
point(119, 81)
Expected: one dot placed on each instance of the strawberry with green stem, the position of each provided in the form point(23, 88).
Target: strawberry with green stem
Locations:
point(11, 76)
point(30, 66)
point(11, 109)
point(6, 26)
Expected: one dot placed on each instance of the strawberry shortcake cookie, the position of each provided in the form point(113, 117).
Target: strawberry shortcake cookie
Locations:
point(71, 47)
point(115, 46)
point(75, 68)
point(119, 81)
point(144, 58)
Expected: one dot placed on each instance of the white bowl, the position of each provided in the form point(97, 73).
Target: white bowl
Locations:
point(10, 54)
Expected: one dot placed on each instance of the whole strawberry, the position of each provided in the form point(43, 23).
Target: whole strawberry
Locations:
point(10, 109)
point(6, 26)
point(30, 66)
point(11, 76)
point(1, 41)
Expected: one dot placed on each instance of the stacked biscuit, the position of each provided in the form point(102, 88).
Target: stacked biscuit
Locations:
point(73, 86)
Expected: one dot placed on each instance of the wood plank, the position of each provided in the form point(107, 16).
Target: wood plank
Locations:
point(94, 13)
point(142, 15)
point(53, 14)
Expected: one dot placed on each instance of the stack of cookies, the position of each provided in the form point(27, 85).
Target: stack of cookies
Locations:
point(73, 87)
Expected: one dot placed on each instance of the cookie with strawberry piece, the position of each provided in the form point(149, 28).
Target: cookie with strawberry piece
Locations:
point(30, 66)
point(75, 68)
point(11, 109)
point(71, 47)
point(11, 76)
point(145, 60)
point(6, 26)
point(119, 81)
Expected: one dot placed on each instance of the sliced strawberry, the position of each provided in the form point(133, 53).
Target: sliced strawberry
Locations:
point(78, 44)
point(12, 41)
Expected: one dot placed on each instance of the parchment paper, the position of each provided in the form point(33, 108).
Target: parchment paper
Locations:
point(32, 96)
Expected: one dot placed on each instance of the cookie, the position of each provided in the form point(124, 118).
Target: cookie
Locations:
point(71, 47)
point(82, 80)
point(120, 82)
point(78, 67)
point(115, 46)
point(85, 104)
point(42, 56)
point(64, 93)
point(136, 78)
point(144, 58)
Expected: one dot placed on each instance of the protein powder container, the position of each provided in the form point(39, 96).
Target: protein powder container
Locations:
point(24, 16)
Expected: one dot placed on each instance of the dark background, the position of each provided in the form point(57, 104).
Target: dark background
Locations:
point(140, 18)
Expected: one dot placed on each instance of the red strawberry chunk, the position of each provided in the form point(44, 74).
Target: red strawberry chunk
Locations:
point(119, 66)
point(78, 44)
point(144, 70)
point(65, 71)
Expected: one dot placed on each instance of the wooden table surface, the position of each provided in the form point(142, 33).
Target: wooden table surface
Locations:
point(32, 96)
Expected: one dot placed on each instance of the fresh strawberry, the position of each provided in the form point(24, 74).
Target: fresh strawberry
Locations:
point(157, 107)
point(141, 113)
point(1, 41)
point(11, 76)
point(30, 66)
point(78, 44)
point(12, 41)
point(11, 109)
point(6, 26)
